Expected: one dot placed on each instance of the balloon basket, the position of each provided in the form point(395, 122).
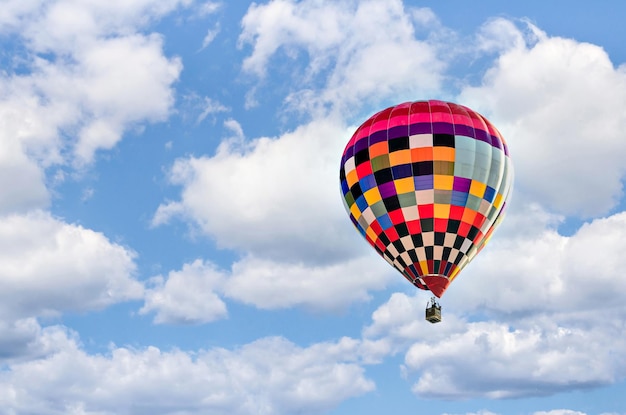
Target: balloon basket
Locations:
point(433, 311)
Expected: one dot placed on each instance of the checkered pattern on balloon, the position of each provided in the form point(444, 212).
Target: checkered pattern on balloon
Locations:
point(426, 183)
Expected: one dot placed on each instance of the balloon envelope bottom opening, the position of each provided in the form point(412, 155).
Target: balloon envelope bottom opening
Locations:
point(437, 284)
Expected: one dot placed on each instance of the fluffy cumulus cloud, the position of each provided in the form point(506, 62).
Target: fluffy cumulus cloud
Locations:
point(22, 181)
point(270, 284)
point(539, 294)
point(277, 201)
point(561, 104)
point(268, 376)
point(80, 74)
point(543, 270)
point(533, 357)
point(197, 293)
point(400, 322)
point(186, 296)
point(121, 82)
point(500, 361)
point(48, 266)
point(344, 49)
point(62, 24)
point(276, 197)
point(81, 78)
point(25, 339)
point(538, 341)
point(105, 88)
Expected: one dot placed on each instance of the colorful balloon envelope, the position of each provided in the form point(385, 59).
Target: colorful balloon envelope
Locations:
point(426, 183)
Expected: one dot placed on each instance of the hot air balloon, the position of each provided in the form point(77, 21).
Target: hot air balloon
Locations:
point(426, 183)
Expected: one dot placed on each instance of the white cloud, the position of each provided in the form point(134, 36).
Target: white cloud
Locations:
point(268, 376)
point(284, 23)
point(501, 35)
point(559, 412)
point(280, 284)
point(14, 10)
point(25, 339)
point(236, 140)
point(401, 321)
point(86, 77)
point(114, 84)
point(87, 194)
point(63, 25)
point(31, 121)
point(97, 80)
point(399, 318)
point(277, 202)
point(22, 182)
point(210, 36)
point(210, 106)
point(342, 42)
point(208, 8)
point(48, 266)
point(186, 296)
point(499, 361)
point(541, 295)
point(196, 293)
point(273, 197)
point(542, 271)
point(560, 104)
point(16, 336)
point(131, 82)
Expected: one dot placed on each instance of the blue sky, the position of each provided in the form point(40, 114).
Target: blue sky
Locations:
point(173, 239)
